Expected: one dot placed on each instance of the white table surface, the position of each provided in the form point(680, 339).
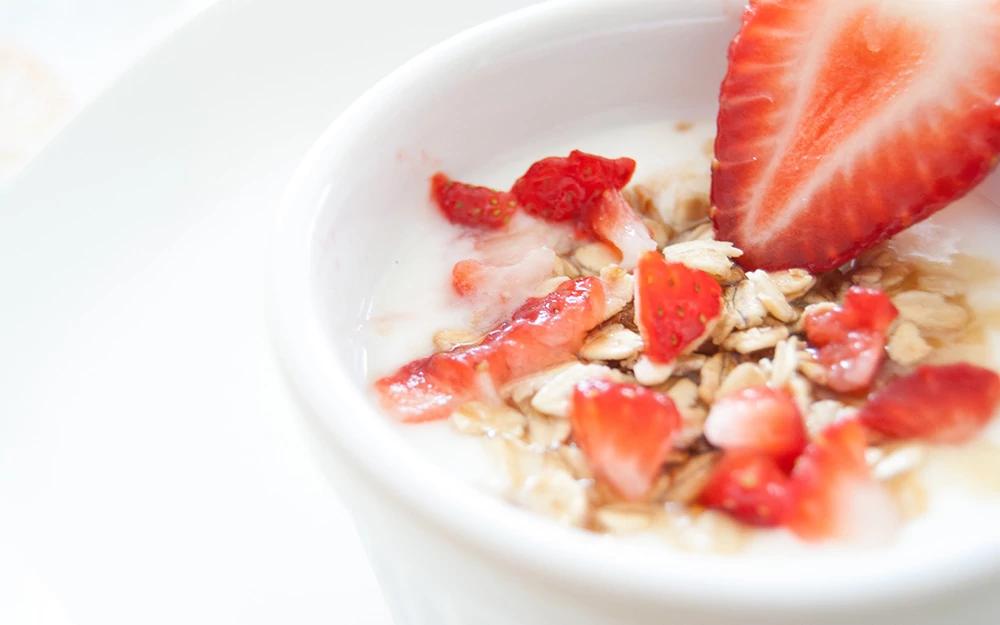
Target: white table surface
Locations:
point(152, 469)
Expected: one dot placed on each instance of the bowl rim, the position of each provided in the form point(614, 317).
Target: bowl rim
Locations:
point(485, 523)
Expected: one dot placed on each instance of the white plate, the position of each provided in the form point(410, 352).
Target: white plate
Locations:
point(150, 469)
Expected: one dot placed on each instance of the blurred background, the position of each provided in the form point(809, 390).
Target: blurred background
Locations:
point(152, 466)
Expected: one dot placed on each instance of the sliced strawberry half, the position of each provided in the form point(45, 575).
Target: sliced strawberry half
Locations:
point(542, 332)
point(614, 221)
point(851, 337)
point(674, 306)
point(562, 188)
point(833, 494)
point(842, 123)
point(471, 205)
point(750, 487)
point(758, 419)
point(940, 404)
point(625, 432)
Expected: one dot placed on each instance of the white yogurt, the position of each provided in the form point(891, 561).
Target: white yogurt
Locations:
point(415, 300)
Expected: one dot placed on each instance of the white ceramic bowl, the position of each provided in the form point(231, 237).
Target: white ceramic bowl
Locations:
point(445, 553)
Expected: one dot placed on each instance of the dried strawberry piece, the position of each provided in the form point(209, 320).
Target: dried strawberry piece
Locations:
point(851, 337)
point(625, 432)
point(833, 493)
point(542, 332)
point(674, 305)
point(471, 205)
point(563, 188)
point(758, 419)
point(940, 404)
point(750, 487)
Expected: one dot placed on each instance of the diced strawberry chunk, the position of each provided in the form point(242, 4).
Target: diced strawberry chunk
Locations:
point(750, 487)
point(674, 306)
point(940, 404)
point(843, 122)
point(625, 432)
point(851, 338)
point(562, 188)
point(759, 419)
point(833, 494)
point(614, 221)
point(542, 332)
point(471, 205)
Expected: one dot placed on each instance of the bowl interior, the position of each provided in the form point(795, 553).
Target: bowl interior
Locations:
point(472, 106)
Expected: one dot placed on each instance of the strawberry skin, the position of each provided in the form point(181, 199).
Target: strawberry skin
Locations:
point(561, 188)
point(832, 493)
point(758, 419)
point(625, 432)
point(542, 332)
point(674, 305)
point(750, 487)
point(842, 123)
point(939, 404)
point(851, 337)
point(470, 205)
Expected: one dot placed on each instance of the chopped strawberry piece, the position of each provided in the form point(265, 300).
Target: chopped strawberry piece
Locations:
point(470, 205)
point(542, 332)
point(614, 221)
point(750, 487)
point(625, 432)
point(851, 338)
point(758, 419)
point(563, 188)
point(940, 404)
point(832, 492)
point(496, 285)
point(674, 306)
point(842, 123)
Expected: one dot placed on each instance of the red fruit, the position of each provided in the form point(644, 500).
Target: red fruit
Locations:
point(842, 123)
point(470, 205)
point(562, 188)
point(750, 487)
point(614, 221)
point(625, 432)
point(496, 285)
point(674, 305)
point(540, 333)
point(832, 492)
point(851, 338)
point(759, 419)
point(944, 404)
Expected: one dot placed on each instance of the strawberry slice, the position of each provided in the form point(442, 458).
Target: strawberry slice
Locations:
point(833, 494)
point(940, 404)
point(851, 337)
point(674, 306)
point(759, 419)
point(750, 487)
point(470, 205)
point(625, 432)
point(842, 123)
point(562, 188)
point(542, 332)
point(614, 221)
point(496, 290)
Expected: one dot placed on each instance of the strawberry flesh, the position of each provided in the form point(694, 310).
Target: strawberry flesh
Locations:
point(758, 419)
point(674, 306)
point(625, 432)
point(542, 332)
point(851, 338)
point(842, 123)
point(471, 205)
point(613, 221)
point(939, 404)
point(750, 487)
point(832, 492)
